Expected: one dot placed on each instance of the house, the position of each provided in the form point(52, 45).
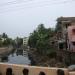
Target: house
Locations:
point(66, 39)
point(63, 24)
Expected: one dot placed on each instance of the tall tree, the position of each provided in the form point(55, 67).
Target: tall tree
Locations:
point(4, 35)
point(58, 27)
point(39, 39)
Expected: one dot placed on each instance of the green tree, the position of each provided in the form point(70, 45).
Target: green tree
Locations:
point(1, 43)
point(58, 27)
point(33, 39)
point(19, 42)
point(4, 35)
point(39, 39)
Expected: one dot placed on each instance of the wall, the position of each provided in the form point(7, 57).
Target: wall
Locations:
point(33, 70)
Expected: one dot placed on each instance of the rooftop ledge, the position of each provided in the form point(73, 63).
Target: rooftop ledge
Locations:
point(14, 69)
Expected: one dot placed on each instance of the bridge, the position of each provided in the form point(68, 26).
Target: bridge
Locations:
point(14, 69)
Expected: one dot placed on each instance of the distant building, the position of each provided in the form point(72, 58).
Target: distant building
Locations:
point(25, 41)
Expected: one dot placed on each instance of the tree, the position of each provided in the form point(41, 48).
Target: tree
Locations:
point(58, 27)
point(33, 39)
point(5, 43)
point(19, 41)
point(39, 39)
point(4, 35)
point(1, 43)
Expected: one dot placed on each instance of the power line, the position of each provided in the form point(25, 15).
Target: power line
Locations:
point(14, 2)
point(21, 2)
point(47, 4)
point(54, 2)
point(31, 3)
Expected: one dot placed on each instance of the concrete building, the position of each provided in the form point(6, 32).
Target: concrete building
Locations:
point(64, 23)
point(25, 41)
point(65, 29)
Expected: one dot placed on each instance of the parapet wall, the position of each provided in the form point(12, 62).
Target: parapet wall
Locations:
point(32, 70)
point(71, 73)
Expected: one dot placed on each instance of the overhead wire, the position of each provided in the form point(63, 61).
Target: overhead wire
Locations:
point(14, 2)
point(22, 2)
point(42, 5)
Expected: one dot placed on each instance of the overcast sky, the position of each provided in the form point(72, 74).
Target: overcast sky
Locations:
point(22, 18)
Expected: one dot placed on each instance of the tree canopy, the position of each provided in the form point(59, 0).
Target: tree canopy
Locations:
point(40, 39)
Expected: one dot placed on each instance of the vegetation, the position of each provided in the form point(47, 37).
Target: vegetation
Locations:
point(19, 42)
point(40, 39)
point(58, 27)
point(5, 40)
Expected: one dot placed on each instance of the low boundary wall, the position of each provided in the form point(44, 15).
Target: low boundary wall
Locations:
point(32, 70)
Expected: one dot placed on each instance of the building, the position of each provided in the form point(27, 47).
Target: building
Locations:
point(25, 41)
point(63, 24)
point(65, 34)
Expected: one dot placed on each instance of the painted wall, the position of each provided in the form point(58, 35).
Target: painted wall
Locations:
point(71, 37)
point(33, 70)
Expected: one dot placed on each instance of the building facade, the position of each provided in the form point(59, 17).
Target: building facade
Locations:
point(66, 38)
point(25, 41)
point(65, 25)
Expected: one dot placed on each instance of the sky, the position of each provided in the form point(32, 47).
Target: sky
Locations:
point(21, 17)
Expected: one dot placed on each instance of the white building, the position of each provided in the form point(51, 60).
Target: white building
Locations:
point(25, 41)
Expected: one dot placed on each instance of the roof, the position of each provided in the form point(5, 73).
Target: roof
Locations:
point(72, 19)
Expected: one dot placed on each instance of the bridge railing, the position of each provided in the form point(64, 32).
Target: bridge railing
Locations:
point(71, 73)
point(13, 69)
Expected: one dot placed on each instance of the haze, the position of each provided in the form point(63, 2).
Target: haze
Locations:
point(21, 19)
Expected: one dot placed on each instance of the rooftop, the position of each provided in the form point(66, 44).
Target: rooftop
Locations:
point(72, 19)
